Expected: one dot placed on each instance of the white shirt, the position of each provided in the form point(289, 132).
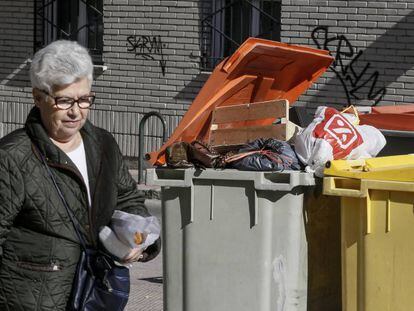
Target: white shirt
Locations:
point(78, 157)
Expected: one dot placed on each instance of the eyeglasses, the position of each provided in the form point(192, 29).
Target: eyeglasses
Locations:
point(65, 103)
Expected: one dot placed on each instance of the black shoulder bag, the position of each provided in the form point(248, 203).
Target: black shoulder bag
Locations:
point(99, 283)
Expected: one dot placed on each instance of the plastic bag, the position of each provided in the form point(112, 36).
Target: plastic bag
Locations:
point(333, 136)
point(265, 155)
point(112, 244)
point(125, 226)
point(120, 238)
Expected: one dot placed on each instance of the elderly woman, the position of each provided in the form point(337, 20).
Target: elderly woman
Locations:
point(39, 248)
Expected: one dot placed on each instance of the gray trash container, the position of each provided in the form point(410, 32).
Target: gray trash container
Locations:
point(233, 240)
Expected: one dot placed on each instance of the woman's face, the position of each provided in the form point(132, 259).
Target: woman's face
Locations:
point(63, 125)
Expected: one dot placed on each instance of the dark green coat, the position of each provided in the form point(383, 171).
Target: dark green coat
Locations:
point(38, 245)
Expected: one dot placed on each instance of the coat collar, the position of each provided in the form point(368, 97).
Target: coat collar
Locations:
point(38, 135)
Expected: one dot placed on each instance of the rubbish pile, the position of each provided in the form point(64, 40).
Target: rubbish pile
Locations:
point(240, 118)
point(332, 135)
point(226, 111)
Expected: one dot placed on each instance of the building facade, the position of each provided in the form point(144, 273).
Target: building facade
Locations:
point(155, 55)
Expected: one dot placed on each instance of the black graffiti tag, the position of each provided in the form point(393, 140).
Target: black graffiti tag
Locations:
point(351, 80)
point(149, 48)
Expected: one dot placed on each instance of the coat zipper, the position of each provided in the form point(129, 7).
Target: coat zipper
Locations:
point(53, 266)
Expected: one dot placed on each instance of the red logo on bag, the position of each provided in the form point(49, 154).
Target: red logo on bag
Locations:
point(339, 132)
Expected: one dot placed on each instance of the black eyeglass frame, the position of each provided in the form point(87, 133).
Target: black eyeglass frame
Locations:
point(72, 100)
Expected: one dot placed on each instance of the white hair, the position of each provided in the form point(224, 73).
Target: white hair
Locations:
point(59, 63)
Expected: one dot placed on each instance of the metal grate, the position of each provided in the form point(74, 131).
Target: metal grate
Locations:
point(78, 20)
point(232, 22)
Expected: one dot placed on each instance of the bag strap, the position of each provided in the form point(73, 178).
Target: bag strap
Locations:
point(240, 156)
point(272, 156)
point(354, 111)
point(62, 198)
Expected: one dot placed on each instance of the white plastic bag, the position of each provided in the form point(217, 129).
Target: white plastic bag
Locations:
point(112, 244)
point(333, 136)
point(373, 142)
point(119, 238)
point(125, 226)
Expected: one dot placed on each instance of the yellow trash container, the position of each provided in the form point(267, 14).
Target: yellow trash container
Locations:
point(377, 231)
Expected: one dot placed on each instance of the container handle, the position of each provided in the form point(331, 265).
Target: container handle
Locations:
point(330, 188)
point(282, 181)
point(168, 177)
point(172, 178)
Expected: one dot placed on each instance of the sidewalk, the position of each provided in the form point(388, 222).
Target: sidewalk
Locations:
point(146, 278)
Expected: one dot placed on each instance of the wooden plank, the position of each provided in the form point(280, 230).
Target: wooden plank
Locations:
point(251, 111)
point(235, 136)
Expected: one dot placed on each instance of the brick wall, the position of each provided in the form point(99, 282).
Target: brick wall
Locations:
point(16, 47)
point(376, 49)
point(152, 52)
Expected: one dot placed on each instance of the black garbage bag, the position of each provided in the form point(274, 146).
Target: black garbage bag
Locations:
point(265, 155)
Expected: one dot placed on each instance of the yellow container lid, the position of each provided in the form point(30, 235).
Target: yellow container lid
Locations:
point(392, 168)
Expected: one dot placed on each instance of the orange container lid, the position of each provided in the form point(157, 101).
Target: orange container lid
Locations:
point(395, 118)
point(397, 109)
point(389, 121)
point(259, 70)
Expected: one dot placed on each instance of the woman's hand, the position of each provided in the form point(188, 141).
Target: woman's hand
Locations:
point(133, 256)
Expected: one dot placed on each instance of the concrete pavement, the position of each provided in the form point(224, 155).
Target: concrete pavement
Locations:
point(146, 278)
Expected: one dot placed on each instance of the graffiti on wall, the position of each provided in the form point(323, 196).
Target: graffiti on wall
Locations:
point(358, 84)
point(148, 48)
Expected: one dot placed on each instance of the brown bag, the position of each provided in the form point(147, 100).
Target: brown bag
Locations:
point(176, 155)
point(185, 155)
point(202, 156)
